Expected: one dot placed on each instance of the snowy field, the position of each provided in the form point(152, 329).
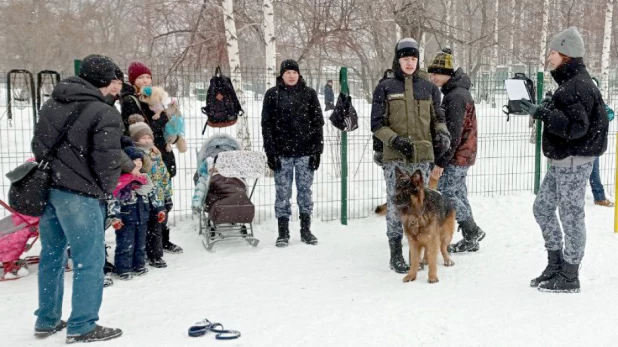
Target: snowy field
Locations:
point(342, 293)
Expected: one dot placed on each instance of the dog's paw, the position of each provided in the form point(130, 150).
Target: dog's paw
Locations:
point(433, 280)
point(449, 263)
point(409, 278)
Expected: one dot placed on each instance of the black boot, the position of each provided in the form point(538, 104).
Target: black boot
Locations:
point(397, 262)
point(99, 333)
point(284, 232)
point(472, 235)
point(554, 264)
point(305, 230)
point(565, 281)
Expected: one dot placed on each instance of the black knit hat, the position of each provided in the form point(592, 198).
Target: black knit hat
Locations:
point(289, 64)
point(99, 70)
point(442, 64)
point(407, 47)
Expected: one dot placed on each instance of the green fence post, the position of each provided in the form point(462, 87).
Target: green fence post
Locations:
point(343, 82)
point(540, 77)
point(76, 66)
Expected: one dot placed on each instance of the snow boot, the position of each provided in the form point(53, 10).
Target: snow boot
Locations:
point(99, 333)
point(284, 232)
point(43, 333)
point(565, 281)
point(397, 262)
point(472, 235)
point(107, 281)
point(169, 247)
point(157, 262)
point(554, 264)
point(305, 230)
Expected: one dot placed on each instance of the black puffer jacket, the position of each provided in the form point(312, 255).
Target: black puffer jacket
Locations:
point(292, 121)
point(576, 123)
point(130, 104)
point(88, 162)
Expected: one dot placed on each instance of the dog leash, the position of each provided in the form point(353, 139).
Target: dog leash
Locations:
point(204, 326)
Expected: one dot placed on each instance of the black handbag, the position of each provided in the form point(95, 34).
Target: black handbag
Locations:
point(30, 182)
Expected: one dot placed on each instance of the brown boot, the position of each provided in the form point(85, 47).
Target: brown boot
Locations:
point(605, 203)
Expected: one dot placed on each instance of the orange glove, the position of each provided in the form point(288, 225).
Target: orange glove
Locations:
point(161, 217)
point(117, 224)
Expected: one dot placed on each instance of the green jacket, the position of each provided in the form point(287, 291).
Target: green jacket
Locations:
point(404, 106)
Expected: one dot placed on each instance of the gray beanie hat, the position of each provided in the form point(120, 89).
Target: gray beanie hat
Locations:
point(569, 43)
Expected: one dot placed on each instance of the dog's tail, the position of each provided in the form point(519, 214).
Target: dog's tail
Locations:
point(381, 210)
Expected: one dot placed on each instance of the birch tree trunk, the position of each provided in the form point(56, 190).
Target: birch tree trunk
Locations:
point(271, 42)
point(448, 6)
point(421, 50)
point(242, 126)
point(494, 51)
point(544, 28)
point(512, 38)
point(607, 40)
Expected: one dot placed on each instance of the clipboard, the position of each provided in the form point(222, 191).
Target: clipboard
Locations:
point(516, 90)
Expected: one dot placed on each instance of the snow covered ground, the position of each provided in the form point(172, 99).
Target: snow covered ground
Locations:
point(342, 293)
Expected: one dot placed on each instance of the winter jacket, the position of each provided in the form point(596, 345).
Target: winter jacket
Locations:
point(458, 106)
point(436, 97)
point(132, 199)
point(292, 121)
point(130, 105)
point(403, 106)
point(162, 190)
point(88, 162)
point(575, 123)
point(329, 95)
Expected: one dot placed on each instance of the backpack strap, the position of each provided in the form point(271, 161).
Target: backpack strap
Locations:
point(51, 154)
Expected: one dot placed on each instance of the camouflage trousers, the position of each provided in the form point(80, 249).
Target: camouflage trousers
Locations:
point(283, 185)
point(452, 185)
point(563, 188)
point(394, 229)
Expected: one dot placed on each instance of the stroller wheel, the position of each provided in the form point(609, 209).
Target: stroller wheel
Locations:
point(243, 230)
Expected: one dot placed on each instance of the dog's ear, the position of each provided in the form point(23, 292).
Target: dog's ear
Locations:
point(417, 179)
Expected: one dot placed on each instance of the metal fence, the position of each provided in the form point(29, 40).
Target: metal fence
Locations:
point(505, 161)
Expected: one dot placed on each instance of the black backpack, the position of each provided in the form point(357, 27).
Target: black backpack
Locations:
point(222, 105)
point(514, 106)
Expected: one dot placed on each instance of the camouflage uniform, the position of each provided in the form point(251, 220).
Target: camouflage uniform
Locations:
point(283, 183)
point(564, 188)
point(394, 228)
point(452, 185)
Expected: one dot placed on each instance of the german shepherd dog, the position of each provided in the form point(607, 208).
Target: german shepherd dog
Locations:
point(428, 221)
point(382, 210)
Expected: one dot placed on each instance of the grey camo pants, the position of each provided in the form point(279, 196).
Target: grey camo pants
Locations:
point(564, 188)
point(283, 186)
point(452, 185)
point(394, 228)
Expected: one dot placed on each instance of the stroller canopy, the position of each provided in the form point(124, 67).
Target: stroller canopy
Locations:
point(216, 144)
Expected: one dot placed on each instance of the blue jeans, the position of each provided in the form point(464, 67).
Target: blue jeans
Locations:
point(75, 220)
point(130, 248)
point(595, 182)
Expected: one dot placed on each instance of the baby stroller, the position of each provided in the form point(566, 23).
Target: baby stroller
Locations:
point(15, 232)
point(221, 197)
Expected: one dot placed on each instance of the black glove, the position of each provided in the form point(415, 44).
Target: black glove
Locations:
point(403, 145)
point(314, 161)
point(274, 163)
point(532, 109)
point(442, 142)
point(169, 204)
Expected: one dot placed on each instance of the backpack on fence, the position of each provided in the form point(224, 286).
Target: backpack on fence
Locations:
point(514, 106)
point(222, 105)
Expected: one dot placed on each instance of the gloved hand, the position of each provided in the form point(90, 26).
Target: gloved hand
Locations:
point(378, 157)
point(161, 216)
point(274, 163)
point(117, 224)
point(442, 141)
point(531, 109)
point(403, 145)
point(169, 204)
point(314, 161)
